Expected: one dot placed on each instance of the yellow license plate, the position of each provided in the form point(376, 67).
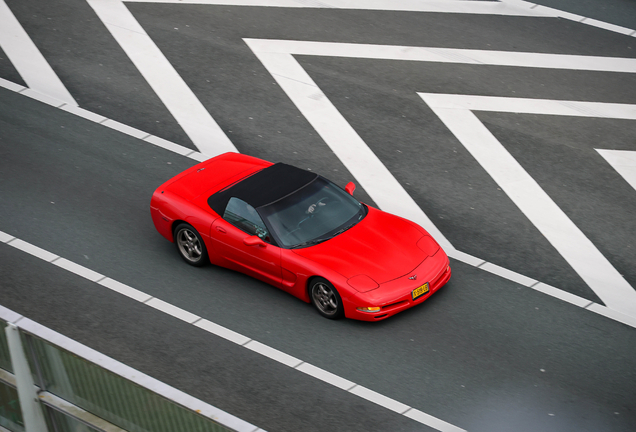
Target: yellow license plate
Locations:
point(420, 291)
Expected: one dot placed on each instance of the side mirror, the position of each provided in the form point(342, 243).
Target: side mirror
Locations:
point(350, 187)
point(254, 241)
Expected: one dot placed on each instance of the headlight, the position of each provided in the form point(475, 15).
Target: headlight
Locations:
point(428, 245)
point(362, 283)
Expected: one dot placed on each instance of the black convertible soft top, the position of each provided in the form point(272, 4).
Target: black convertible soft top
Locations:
point(264, 187)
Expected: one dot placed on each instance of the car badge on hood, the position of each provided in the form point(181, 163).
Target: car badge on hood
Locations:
point(413, 277)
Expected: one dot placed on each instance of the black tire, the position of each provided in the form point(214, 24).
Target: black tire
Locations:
point(326, 298)
point(190, 245)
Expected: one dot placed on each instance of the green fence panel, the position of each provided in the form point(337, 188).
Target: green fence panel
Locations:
point(10, 414)
point(113, 398)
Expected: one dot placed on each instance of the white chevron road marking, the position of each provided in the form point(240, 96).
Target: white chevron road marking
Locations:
point(623, 161)
point(456, 113)
point(501, 7)
point(444, 55)
point(27, 58)
point(455, 110)
point(436, 6)
point(186, 108)
point(570, 16)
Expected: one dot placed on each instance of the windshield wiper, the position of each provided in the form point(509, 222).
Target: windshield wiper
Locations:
point(311, 242)
point(340, 231)
point(343, 230)
point(322, 239)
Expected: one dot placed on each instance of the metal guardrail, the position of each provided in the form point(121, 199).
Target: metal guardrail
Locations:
point(81, 390)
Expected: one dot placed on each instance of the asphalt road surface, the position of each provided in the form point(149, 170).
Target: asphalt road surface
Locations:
point(483, 354)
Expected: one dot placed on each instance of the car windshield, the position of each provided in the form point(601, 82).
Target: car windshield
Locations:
point(315, 213)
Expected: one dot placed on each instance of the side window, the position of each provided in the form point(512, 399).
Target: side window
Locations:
point(244, 217)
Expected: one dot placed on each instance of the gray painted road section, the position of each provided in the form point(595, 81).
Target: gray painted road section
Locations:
point(483, 352)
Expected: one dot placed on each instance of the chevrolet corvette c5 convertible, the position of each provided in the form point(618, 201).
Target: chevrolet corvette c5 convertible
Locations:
point(296, 230)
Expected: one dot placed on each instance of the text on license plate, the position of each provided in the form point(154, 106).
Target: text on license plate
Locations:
point(417, 292)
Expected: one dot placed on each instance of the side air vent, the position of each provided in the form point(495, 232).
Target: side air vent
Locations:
point(394, 305)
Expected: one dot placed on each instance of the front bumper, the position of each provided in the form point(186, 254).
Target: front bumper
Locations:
point(395, 296)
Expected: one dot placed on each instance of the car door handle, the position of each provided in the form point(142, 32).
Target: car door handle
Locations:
point(221, 229)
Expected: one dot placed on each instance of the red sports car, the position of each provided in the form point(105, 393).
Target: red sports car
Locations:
point(298, 231)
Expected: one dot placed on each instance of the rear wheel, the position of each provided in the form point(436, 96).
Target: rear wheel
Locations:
point(326, 298)
point(190, 245)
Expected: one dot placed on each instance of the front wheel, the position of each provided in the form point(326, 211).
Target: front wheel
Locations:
point(326, 298)
point(190, 245)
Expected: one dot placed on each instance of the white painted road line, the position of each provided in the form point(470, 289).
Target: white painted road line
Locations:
point(125, 290)
point(444, 55)
point(223, 332)
point(466, 258)
point(5, 238)
point(27, 59)
point(612, 314)
point(570, 16)
point(239, 339)
point(379, 399)
point(562, 295)
point(433, 422)
point(79, 270)
point(182, 103)
point(532, 106)
point(325, 376)
point(32, 249)
point(44, 98)
point(168, 145)
point(343, 140)
point(455, 112)
point(126, 372)
point(501, 7)
point(508, 274)
point(623, 161)
point(12, 86)
point(438, 6)
point(273, 353)
point(172, 310)
point(81, 112)
point(128, 130)
point(199, 157)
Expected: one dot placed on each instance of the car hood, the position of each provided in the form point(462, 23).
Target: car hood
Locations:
point(381, 246)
